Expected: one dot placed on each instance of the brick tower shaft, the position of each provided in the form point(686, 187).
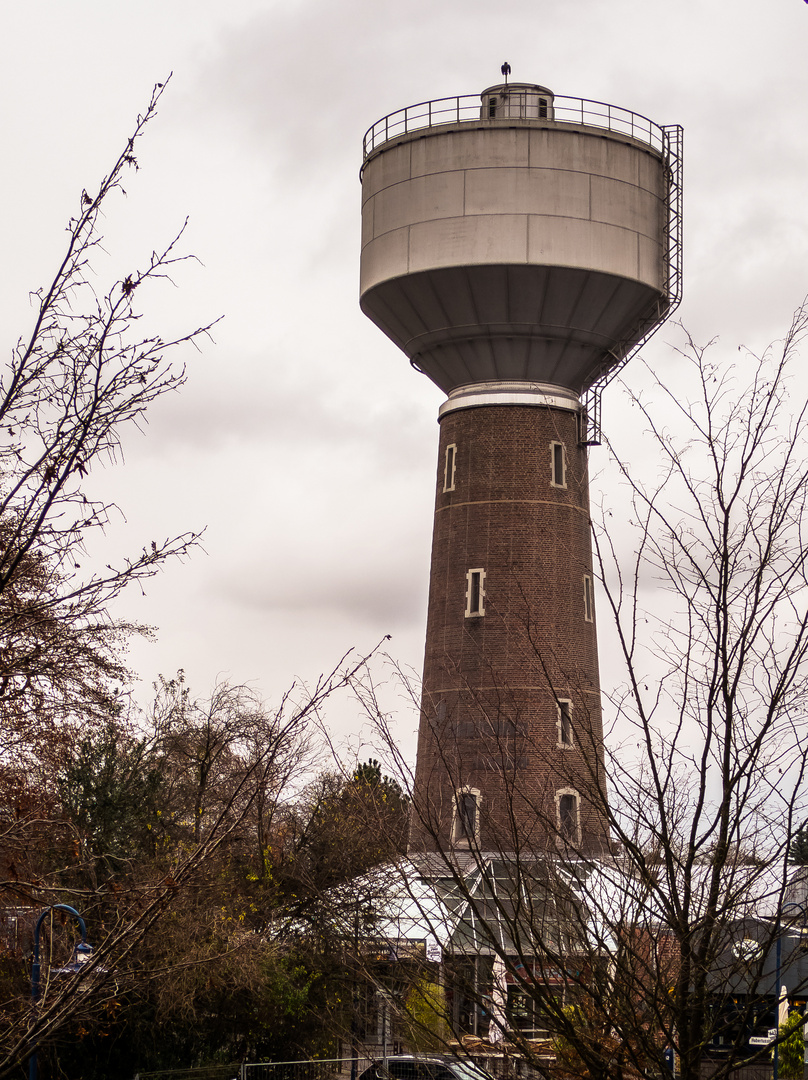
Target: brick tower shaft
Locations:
point(510, 750)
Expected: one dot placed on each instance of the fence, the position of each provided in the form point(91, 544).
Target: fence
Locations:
point(208, 1072)
point(328, 1069)
point(499, 1066)
point(340, 1069)
point(466, 108)
point(304, 1070)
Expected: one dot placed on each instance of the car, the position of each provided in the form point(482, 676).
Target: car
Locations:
point(424, 1067)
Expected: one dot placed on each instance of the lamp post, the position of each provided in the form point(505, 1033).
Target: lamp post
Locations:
point(778, 956)
point(81, 955)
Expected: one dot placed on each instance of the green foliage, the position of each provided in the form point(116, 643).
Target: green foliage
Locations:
point(109, 790)
point(342, 829)
point(791, 1050)
point(564, 1044)
point(368, 780)
point(370, 772)
point(426, 1025)
point(587, 1047)
point(798, 848)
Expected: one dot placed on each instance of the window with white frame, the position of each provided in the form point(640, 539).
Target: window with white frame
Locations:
point(449, 466)
point(475, 593)
point(558, 465)
point(589, 610)
point(466, 823)
point(568, 815)
point(564, 721)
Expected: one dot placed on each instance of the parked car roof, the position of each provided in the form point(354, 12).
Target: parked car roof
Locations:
point(424, 1067)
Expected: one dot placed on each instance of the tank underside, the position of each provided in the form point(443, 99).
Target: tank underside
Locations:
point(553, 324)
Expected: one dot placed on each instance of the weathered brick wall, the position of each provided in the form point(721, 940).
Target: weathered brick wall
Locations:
point(490, 716)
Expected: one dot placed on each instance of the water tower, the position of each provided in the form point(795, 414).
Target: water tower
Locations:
point(518, 247)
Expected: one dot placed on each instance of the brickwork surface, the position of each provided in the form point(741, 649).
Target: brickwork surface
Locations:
point(492, 683)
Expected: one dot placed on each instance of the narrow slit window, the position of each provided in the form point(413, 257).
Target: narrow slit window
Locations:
point(543, 108)
point(467, 816)
point(475, 593)
point(564, 722)
point(588, 607)
point(558, 465)
point(568, 823)
point(449, 467)
point(492, 108)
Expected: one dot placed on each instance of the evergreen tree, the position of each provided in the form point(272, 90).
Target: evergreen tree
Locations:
point(791, 1052)
point(798, 848)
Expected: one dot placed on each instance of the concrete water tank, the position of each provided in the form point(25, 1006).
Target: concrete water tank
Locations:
point(518, 236)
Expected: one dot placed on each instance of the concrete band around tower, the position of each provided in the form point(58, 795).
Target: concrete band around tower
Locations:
point(477, 395)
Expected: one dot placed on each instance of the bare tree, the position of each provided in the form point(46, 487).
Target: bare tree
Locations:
point(597, 963)
point(206, 745)
point(71, 826)
point(73, 385)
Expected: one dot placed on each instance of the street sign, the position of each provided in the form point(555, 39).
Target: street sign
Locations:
point(434, 952)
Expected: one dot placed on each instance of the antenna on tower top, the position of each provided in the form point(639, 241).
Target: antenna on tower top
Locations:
point(506, 68)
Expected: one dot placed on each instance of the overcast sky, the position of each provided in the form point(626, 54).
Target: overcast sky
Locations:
point(303, 440)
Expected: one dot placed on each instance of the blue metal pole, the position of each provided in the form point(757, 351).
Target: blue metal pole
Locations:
point(35, 966)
